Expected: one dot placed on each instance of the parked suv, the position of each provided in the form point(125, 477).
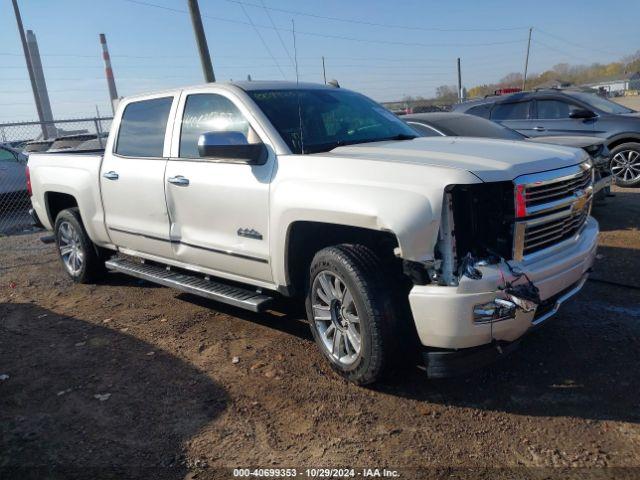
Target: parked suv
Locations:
point(570, 112)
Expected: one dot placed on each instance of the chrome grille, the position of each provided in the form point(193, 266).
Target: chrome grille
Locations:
point(549, 192)
point(550, 231)
point(556, 206)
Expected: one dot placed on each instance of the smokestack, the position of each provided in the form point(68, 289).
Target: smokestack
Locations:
point(113, 93)
point(41, 86)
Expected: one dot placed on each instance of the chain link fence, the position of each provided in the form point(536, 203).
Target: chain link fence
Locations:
point(18, 141)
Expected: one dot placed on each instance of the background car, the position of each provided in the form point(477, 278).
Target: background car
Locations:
point(462, 125)
point(570, 112)
point(13, 177)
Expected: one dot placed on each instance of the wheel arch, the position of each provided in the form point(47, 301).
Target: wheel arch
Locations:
point(55, 202)
point(622, 138)
point(305, 238)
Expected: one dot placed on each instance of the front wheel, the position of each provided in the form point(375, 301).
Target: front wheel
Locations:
point(79, 256)
point(625, 164)
point(349, 307)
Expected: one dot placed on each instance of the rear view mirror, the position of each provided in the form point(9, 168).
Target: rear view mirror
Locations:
point(231, 145)
point(581, 113)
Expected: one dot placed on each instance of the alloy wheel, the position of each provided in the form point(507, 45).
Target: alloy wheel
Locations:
point(336, 318)
point(625, 165)
point(70, 247)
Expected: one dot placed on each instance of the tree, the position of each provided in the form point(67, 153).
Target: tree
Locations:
point(512, 79)
point(447, 93)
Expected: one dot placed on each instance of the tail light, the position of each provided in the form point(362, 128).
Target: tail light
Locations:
point(29, 190)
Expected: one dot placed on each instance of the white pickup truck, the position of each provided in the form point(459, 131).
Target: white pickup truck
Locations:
point(246, 191)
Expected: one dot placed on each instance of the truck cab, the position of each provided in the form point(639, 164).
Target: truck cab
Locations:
point(243, 192)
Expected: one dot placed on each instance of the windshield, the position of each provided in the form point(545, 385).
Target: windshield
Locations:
point(600, 103)
point(472, 126)
point(329, 118)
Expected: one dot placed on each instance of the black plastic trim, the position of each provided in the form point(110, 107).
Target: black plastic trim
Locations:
point(453, 363)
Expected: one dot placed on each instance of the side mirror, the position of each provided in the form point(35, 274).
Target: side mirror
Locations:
point(582, 113)
point(231, 145)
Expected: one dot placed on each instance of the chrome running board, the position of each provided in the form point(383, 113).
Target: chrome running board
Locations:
point(192, 283)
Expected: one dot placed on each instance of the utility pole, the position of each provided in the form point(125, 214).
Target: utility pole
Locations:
point(526, 62)
point(201, 40)
point(460, 99)
point(41, 84)
point(32, 77)
point(108, 71)
point(324, 72)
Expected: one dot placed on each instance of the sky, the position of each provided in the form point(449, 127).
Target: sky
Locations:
point(384, 49)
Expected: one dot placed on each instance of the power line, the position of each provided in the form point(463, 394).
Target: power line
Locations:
point(436, 61)
point(375, 24)
point(335, 37)
point(563, 52)
point(284, 47)
point(266, 47)
point(569, 42)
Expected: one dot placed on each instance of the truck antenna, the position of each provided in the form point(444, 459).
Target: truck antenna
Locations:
point(295, 61)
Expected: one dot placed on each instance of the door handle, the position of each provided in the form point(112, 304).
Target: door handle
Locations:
point(178, 180)
point(111, 175)
point(539, 129)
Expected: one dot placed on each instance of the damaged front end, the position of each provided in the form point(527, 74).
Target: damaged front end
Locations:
point(508, 255)
point(477, 231)
point(601, 162)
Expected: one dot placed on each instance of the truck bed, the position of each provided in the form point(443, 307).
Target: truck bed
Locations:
point(74, 173)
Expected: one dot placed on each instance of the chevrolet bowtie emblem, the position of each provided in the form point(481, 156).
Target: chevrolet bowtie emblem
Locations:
point(580, 202)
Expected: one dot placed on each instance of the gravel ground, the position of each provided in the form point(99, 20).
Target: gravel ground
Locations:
point(161, 384)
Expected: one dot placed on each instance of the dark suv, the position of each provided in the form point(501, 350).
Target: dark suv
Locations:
point(570, 112)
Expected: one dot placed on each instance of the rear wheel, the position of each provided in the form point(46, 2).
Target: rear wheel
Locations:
point(625, 164)
point(79, 256)
point(350, 311)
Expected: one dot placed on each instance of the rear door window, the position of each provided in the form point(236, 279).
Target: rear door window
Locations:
point(480, 110)
point(143, 127)
point(554, 109)
point(511, 111)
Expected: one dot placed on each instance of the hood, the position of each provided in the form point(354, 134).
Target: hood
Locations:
point(488, 159)
point(576, 141)
point(631, 114)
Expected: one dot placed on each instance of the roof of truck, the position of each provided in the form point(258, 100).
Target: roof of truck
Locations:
point(247, 86)
point(277, 85)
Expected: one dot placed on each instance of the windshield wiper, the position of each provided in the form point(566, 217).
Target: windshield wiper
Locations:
point(327, 147)
point(400, 136)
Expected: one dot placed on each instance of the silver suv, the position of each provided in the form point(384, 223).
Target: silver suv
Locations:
point(570, 112)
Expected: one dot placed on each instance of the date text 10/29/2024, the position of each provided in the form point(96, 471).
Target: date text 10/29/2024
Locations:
point(316, 473)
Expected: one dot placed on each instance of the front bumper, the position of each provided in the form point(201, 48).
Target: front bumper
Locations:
point(603, 180)
point(444, 363)
point(444, 315)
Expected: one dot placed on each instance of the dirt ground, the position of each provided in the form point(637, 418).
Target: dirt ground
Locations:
point(142, 379)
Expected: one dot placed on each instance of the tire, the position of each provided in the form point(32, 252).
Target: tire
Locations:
point(625, 164)
point(332, 309)
point(81, 259)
